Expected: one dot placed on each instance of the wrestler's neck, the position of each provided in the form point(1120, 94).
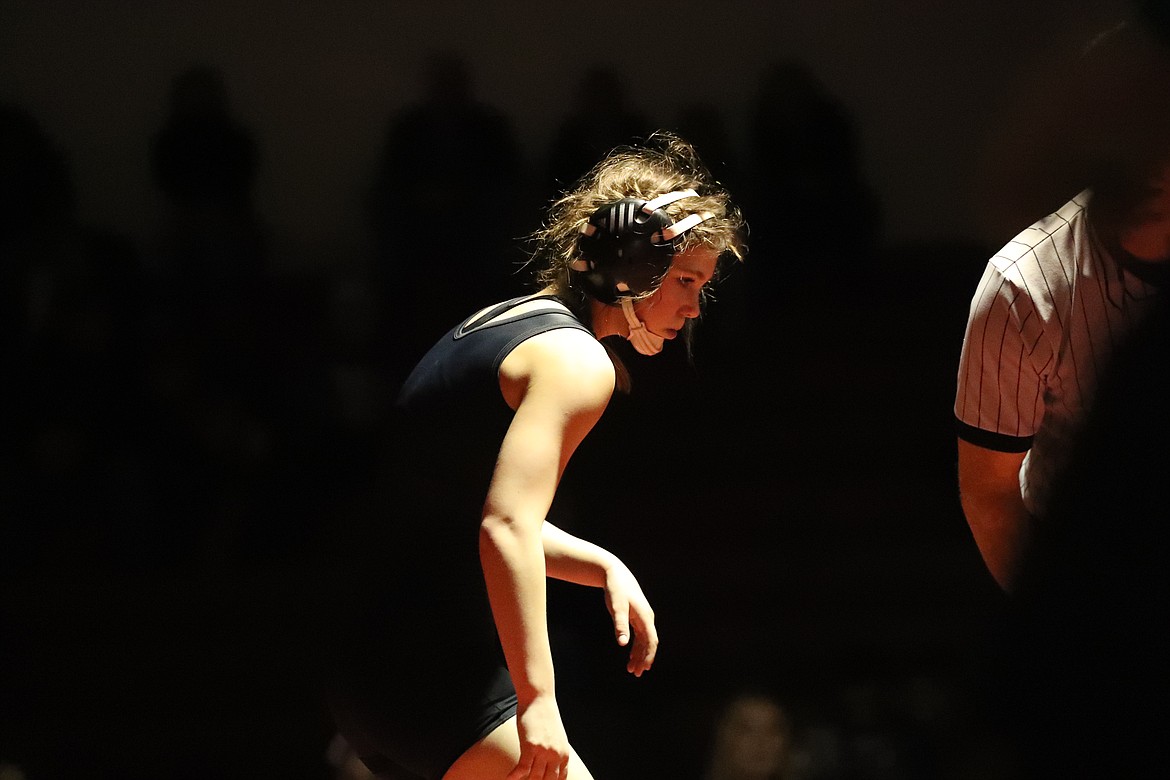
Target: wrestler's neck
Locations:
point(608, 320)
point(604, 320)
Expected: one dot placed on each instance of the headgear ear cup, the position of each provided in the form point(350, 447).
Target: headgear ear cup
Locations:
point(627, 245)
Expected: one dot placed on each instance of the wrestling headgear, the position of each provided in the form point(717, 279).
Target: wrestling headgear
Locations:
point(627, 246)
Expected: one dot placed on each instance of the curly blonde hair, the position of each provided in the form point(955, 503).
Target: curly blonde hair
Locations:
point(662, 163)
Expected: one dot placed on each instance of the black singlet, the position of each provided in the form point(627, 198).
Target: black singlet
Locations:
point(419, 674)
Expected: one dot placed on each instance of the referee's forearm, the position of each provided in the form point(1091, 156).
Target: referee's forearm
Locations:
point(1000, 534)
point(989, 491)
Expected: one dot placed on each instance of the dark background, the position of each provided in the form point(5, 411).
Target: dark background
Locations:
point(213, 284)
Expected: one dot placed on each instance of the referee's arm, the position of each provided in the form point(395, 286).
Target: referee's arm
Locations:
point(989, 491)
point(998, 405)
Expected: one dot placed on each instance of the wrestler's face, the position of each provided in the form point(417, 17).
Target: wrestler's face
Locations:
point(677, 299)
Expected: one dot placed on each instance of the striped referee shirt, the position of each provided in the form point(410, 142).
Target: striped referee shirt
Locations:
point(1050, 309)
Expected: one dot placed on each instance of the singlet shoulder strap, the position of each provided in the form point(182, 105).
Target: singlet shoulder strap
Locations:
point(475, 322)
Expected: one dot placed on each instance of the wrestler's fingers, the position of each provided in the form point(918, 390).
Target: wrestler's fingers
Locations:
point(556, 770)
point(522, 770)
point(621, 622)
point(645, 649)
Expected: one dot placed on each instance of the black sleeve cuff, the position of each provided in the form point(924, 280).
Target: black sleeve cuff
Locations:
point(992, 441)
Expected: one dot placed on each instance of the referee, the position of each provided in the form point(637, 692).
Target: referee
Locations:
point(1057, 301)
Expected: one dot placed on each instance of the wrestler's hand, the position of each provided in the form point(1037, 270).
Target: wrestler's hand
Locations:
point(630, 610)
point(544, 745)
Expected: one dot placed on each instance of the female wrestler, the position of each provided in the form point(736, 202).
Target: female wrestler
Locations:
point(455, 675)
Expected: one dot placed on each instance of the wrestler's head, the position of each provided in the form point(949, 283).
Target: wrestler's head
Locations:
point(645, 215)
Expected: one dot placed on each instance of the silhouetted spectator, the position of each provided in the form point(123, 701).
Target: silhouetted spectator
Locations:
point(601, 118)
point(450, 178)
point(216, 350)
point(36, 198)
point(75, 487)
point(73, 357)
point(815, 214)
point(84, 369)
point(707, 126)
point(204, 162)
point(35, 185)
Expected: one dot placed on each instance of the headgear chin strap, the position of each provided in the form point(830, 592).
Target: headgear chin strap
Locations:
point(640, 336)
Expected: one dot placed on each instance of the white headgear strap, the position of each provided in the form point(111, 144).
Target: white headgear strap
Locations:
point(643, 340)
point(676, 229)
point(665, 200)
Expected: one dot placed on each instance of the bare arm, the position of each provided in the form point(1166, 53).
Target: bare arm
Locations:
point(572, 559)
point(989, 490)
point(561, 382)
